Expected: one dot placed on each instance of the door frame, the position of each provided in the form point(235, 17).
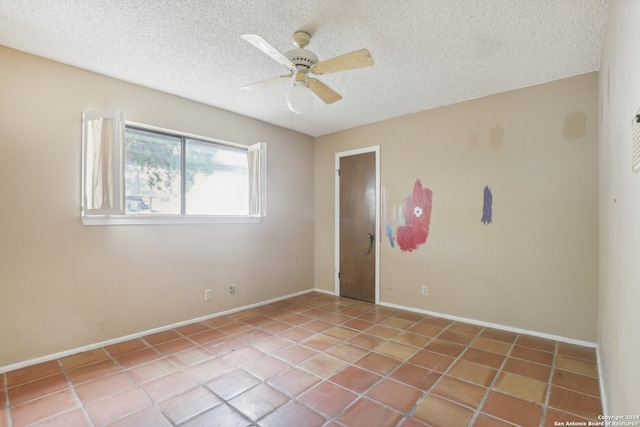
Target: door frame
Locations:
point(373, 149)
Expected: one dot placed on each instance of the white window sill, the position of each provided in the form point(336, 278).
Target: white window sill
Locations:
point(165, 219)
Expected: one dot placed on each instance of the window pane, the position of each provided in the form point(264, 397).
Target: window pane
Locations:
point(152, 173)
point(217, 179)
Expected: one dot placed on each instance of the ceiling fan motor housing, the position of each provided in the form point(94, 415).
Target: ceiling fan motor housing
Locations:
point(302, 57)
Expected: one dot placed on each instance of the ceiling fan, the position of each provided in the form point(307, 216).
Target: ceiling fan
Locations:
point(302, 62)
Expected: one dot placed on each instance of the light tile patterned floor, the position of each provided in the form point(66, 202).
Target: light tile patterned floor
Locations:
point(312, 360)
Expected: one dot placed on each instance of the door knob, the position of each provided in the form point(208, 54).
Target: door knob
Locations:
point(372, 237)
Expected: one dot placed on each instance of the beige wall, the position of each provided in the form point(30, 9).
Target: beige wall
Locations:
point(65, 285)
point(535, 267)
point(619, 297)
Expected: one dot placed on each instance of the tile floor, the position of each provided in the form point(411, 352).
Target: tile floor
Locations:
point(312, 360)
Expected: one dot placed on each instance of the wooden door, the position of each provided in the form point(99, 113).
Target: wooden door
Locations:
point(358, 226)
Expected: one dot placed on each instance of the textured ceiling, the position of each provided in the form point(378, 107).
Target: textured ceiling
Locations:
point(427, 53)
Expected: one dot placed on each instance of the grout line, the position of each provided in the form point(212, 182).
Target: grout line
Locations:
point(348, 364)
point(360, 395)
point(225, 402)
point(125, 371)
point(299, 343)
point(5, 388)
point(427, 392)
point(493, 383)
point(342, 341)
point(72, 387)
point(545, 407)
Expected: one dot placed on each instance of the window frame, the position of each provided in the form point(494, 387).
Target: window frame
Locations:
point(116, 215)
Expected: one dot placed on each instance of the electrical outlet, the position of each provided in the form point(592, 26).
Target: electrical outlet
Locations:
point(207, 294)
point(232, 289)
point(425, 291)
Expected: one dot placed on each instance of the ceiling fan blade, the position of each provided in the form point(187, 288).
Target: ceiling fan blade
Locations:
point(264, 46)
point(350, 61)
point(324, 92)
point(267, 82)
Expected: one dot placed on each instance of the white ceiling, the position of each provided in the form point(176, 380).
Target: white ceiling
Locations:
point(427, 53)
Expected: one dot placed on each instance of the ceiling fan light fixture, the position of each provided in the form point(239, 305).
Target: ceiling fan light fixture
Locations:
point(299, 98)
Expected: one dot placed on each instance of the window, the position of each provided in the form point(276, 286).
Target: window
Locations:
point(137, 174)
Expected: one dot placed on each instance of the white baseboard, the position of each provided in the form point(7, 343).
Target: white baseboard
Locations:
point(494, 325)
point(90, 347)
point(324, 291)
point(603, 394)
point(482, 323)
point(65, 353)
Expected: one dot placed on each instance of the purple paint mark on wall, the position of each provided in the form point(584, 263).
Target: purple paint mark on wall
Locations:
point(487, 206)
point(417, 217)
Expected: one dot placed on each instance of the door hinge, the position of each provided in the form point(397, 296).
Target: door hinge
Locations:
point(338, 274)
point(338, 170)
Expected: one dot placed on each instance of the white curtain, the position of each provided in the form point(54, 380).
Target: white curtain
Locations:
point(257, 159)
point(100, 160)
point(101, 148)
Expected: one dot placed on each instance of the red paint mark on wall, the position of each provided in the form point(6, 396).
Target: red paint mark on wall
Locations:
point(417, 218)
